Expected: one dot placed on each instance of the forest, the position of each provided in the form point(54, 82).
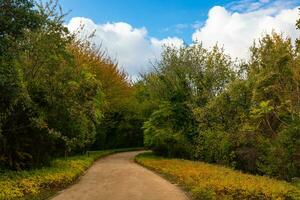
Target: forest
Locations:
point(59, 95)
point(63, 96)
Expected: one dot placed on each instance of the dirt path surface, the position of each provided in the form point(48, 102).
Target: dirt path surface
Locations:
point(117, 177)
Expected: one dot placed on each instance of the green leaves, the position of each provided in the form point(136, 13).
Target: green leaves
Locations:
point(233, 113)
point(262, 110)
point(50, 103)
point(182, 83)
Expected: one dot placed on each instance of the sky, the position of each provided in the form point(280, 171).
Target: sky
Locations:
point(134, 31)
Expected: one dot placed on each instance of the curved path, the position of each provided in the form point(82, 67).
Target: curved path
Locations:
point(118, 177)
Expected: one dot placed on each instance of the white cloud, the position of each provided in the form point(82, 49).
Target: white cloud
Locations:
point(228, 26)
point(169, 41)
point(131, 47)
point(237, 30)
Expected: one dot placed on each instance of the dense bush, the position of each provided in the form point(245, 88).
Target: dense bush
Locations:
point(183, 79)
point(214, 147)
point(163, 139)
point(206, 181)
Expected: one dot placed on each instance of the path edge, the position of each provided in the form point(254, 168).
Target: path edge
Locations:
point(50, 193)
point(170, 179)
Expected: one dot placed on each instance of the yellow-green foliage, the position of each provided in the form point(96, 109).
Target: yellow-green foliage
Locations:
point(61, 173)
point(207, 181)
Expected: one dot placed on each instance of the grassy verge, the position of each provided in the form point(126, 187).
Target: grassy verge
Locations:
point(206, 181)
point(43, 183)
point(297, 183)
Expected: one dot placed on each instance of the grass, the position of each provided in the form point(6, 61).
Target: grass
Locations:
point(44, 182)
point(206, 181)
point(297, 184)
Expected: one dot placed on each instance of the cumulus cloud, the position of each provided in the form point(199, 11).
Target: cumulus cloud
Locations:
point(237, 30)
point(169, 41)
point(131, 47)
point(233, 26)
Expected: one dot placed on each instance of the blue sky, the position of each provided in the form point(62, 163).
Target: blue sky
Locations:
point(162, 18)
point(134, 31)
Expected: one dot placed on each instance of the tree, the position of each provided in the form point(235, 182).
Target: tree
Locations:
point(57, 102)
point(241, 114)
point(17, 17)
point(185, 79)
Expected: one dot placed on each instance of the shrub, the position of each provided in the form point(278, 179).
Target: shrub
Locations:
point(166, 143)
point(281, 157)
point(214, 147)
point(162, 139)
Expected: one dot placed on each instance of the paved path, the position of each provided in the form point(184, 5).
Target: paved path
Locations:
point(117, 177)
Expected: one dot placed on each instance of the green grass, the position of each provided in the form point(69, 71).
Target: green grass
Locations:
point(44, 182)
point(212, 182)
point(297, 183)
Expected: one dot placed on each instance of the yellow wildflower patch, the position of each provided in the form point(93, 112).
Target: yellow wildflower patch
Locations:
point(207, 181)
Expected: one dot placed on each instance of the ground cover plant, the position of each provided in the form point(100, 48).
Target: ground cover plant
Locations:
point(208, 181)
point(43, 182)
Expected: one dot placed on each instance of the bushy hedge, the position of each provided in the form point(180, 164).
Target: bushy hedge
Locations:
point(207, 181)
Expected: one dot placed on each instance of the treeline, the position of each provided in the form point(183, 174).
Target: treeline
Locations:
point(246, 115)
point(58, 95)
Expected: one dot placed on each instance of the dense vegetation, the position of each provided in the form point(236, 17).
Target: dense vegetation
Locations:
point(59, 95)
point(203, 180)
point(209, 107)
